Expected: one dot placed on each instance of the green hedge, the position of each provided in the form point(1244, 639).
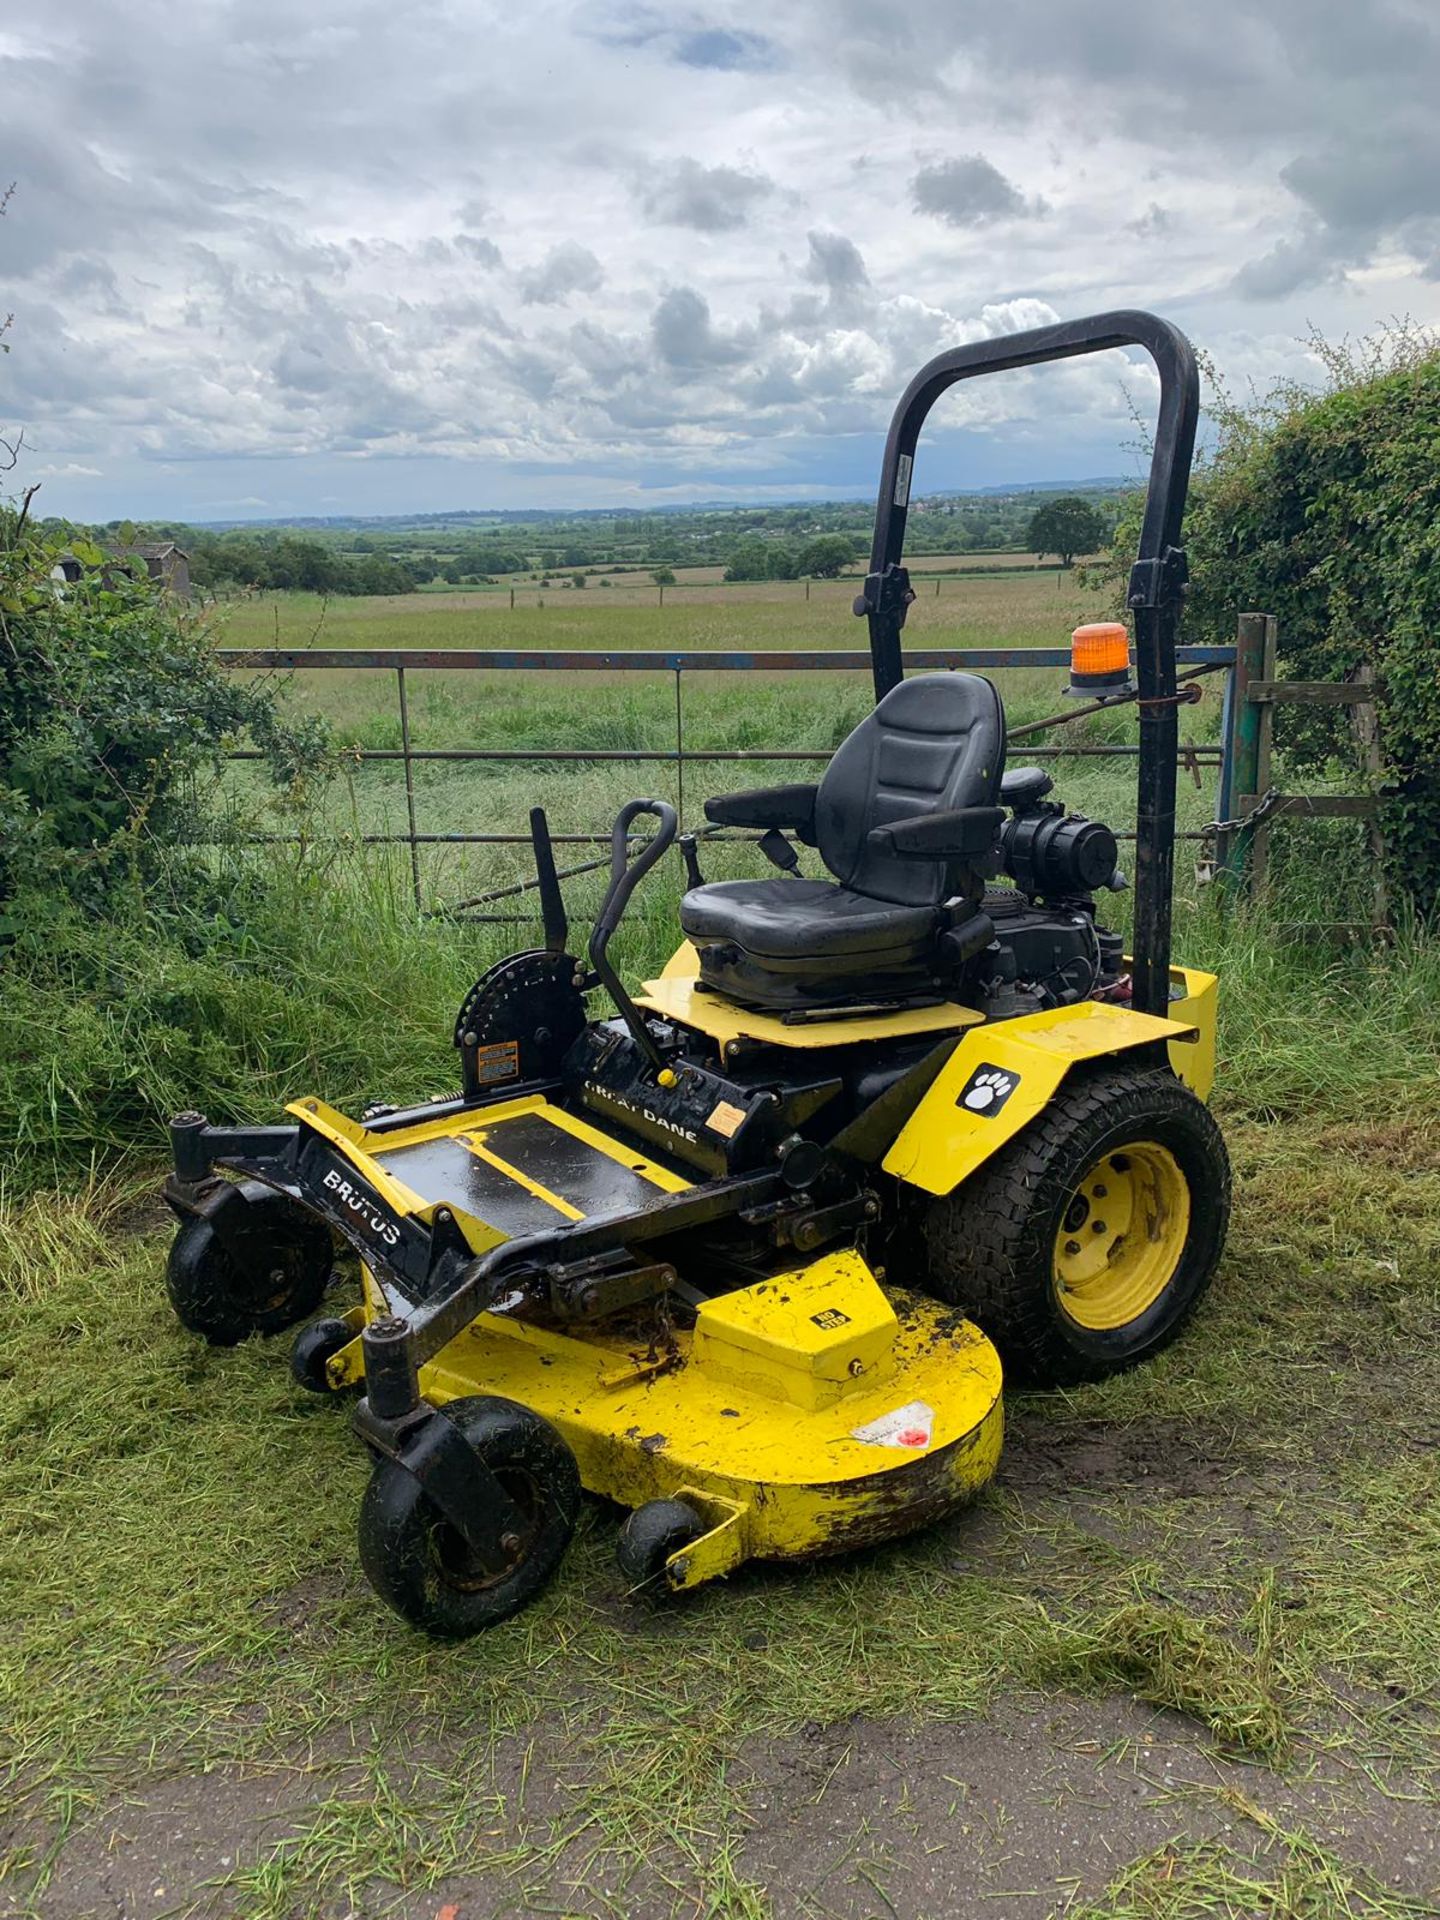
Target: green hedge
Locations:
point(1324, 510)
point(114, 721)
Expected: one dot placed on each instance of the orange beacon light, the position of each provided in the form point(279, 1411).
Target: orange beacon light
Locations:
point(1100, 662)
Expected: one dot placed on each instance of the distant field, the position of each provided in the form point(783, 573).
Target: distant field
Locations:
point(1031, 609)
point(638, 578)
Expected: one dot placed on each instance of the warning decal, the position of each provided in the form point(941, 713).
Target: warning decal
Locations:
point(500, 1060)
point(909, 1426)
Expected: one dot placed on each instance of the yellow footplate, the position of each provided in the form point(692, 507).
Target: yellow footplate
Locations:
point(804, 1415)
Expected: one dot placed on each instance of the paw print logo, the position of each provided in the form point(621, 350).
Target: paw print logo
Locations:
point(987, 1090)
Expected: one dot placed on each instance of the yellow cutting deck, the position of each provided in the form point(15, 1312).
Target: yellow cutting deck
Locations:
point(820, 1426)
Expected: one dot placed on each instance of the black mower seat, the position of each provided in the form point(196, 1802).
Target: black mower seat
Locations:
point(790, 919)
point(934, 745)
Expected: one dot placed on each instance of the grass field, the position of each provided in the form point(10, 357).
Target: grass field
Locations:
point(1182, 1662)
point(1005, 605)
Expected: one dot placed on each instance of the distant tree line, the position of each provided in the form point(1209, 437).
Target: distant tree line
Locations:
point(815, 540)
point(292, 563)
point(819, 559)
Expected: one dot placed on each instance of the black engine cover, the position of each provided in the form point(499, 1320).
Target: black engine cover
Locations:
point(704, 1120)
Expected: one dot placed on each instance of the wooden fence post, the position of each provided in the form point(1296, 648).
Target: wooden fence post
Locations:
point(1365, 727)
point(1259, 837)
point(1244, 733)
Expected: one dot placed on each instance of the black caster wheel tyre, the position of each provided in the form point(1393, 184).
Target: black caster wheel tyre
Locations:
point(422, 1566)
point(1085, 1245)
point(315, 1346)
point(215, 1297)
point(648, 1538)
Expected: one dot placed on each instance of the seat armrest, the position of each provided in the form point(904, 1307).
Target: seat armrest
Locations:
point(766, 807)
point(965, 834)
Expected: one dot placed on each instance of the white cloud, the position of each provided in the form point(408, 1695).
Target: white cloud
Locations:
point(968, 192)
point(682, 193)
point(383, 257)
point(567, 268)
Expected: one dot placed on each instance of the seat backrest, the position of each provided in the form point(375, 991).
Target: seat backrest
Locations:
point(934, 743)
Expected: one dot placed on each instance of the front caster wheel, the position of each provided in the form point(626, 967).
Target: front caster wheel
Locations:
point(280, 1279)
point(1085, 1245)
point(648, 1538)
point(423, 1567)
point(315, 1347)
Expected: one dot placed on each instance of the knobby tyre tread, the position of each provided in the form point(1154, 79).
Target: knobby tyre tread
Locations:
point(989, 1247)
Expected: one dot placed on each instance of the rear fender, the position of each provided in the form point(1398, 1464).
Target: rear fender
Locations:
point(1001, 1077)
point(683, 964)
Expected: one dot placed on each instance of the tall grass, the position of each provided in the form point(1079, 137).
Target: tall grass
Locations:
point(324, 979)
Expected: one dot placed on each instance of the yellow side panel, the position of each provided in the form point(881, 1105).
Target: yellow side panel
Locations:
point(353, 1139)
point(1001, 1077)
point(1194, 1060)
point(683, 964)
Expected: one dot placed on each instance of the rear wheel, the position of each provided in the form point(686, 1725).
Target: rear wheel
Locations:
point(1086, 1244)
point(425, 1568)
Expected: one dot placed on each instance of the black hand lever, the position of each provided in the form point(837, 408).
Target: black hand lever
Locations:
point(552, 904)
point(625, 876)
point(690, 854)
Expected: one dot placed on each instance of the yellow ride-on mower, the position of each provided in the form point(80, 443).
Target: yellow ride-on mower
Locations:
point(747, 1256)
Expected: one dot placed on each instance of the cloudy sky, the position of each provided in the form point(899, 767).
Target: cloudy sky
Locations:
point(357, 257)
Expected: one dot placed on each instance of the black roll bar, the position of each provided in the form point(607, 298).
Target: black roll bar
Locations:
point(1157, 581)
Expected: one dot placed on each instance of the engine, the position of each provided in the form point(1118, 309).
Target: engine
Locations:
point(1049, 949)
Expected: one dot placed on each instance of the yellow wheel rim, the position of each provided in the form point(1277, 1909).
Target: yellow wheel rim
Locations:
point(1122, 1236)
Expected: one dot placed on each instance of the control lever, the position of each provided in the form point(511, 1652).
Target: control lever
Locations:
point(690, 854)
point(625, 876)
point(552, 904)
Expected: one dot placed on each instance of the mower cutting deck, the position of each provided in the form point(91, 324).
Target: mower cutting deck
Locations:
point(746, 1256)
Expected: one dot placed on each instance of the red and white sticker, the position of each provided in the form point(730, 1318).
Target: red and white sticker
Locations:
point(909, 1426)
